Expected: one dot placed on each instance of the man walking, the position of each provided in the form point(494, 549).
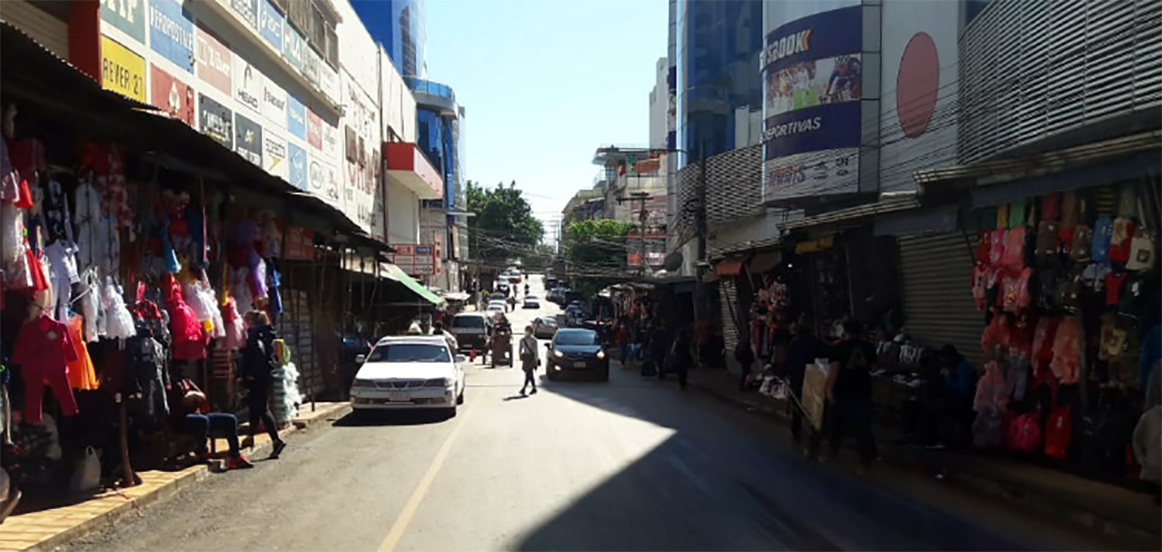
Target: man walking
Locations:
point(529, 360)
point(849, 393)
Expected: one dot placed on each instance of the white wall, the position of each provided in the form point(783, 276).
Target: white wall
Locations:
point(397, 104)
point(779, 12)
point(748, 126)
point(659, 104)
point(901, 154)
point(403, 215)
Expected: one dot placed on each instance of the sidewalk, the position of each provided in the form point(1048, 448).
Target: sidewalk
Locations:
point(1101, 507)
point(48, 529)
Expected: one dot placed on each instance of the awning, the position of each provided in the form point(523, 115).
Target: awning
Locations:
point(764, 262)
point(407, 165)
point(393, 272)
point(731, 266)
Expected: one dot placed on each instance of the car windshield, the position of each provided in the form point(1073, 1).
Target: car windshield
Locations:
point(576, 337)
point(548, 322)
point(495, 308)
point(475, 322)
point(528, 297)
point(410, 352)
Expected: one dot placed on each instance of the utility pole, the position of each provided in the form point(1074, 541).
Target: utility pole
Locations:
point(700, 224)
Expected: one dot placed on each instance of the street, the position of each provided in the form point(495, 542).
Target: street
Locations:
point(633, 464)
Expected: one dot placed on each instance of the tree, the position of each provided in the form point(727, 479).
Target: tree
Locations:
point(595, 253)
point(504, 226)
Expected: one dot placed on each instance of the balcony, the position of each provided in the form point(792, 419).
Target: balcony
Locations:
point(406, 165)
point(433, 95)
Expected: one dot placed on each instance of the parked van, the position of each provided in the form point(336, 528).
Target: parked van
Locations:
point(472, 330)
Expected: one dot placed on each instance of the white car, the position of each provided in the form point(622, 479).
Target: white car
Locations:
point(532, 302)
point(497, 307)
point(409, 372)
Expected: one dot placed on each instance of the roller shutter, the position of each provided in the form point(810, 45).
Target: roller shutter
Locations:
point(43, 27)
point(938, 304)
point(296, 329)
point(728, 294)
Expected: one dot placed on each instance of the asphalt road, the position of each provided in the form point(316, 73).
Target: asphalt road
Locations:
point(633, 464)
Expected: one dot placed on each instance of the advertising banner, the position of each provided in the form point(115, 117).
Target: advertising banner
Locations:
point(171, 32)
point(171, 95)
point(296, 116)
point(813, 83)
point(127, 16)
point(216, 121)
point(297, 170)
point(270, 23)
point(247, 11)
point(248, 85)
point(314, 130)
point(323, 180)
point(214, 60)
point(122, 71)
point(311, 66)
point(293, 46)
point(274, 104)
point(274, 155)
point(329, 82)
point(414, 259)
point(248, 139)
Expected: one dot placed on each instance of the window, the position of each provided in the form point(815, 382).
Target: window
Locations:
point(576, 337)
point(470, 321)
point(410, 352)
point(331, 51)
point(299, 16)
point(317, 34)
point(280, 4)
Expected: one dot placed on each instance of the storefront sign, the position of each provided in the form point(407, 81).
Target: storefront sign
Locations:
point(171, 32)
point(270, 24)
point(296, 117)
point(248, 85)
point(274, 156)
point(298, 243)
point(274, 104)
point(314, 130)
point(171, 95)
point(293, 46)
point(329, 82)
point(330, 138)
point(415, 259)
point(122, 71)
point(216, 121)
point(298, 166)
point(248, 139)
point(214, 60)
point(128, 16)
point(813, 75)
point(247, 11)
point(311, 66)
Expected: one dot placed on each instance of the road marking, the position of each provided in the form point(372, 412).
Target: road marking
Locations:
point(413, 504)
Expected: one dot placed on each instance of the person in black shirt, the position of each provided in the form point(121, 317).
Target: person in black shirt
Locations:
point(804, 349)
point(849, 393)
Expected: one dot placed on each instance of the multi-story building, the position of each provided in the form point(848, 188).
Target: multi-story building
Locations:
point(633, 188)
point(401, 27)
point(659, 105)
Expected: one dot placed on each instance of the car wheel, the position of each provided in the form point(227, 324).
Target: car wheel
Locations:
point(452, 412)
point(460, 397)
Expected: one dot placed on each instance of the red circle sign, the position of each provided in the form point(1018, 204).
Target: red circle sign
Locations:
point(917, 85)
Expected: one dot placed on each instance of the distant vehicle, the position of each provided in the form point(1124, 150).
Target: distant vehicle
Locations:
point(408, 372)
point(545, 327)
point(550, 282)
point(495, 309)
point(532, 302)
point(471, 330)
point(497, 297)
point(574, 314)
point(576, 351)
point(557, 295)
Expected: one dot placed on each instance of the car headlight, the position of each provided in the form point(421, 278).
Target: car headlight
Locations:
point(600, 355)
point(558, 354)
point(363, 383)
point(439, 382)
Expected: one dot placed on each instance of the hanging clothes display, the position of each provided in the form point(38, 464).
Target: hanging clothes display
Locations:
point(43, 350)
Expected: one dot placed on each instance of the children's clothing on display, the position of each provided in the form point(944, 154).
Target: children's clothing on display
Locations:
point(1120, 240)
point(1103, 231)
point(82, 376)
point(43, 350)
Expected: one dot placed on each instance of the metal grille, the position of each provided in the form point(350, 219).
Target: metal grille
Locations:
point(296, 329)
point(938, 303)
point(733, 189)
point(1030, 70)
point(399, 384)
point(728, 290)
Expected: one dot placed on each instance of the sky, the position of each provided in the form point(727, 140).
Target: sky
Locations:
point(544, 83)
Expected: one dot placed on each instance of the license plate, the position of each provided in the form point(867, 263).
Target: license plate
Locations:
point(579, 364)
point(399, 396)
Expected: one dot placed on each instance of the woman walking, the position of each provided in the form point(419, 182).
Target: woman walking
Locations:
point(257, 367)
point(529, 359)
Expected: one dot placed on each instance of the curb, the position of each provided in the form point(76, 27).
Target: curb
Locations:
point(904, 457)
point(112, 517)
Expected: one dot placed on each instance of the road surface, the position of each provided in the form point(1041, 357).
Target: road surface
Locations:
point(633, 464)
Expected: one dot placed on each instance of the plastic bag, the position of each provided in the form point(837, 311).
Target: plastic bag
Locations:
point(87, 475)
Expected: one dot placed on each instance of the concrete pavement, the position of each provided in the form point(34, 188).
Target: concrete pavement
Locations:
point(632, 464)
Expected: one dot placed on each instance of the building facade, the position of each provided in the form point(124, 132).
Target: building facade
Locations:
point(659, 104)
point(401, 27)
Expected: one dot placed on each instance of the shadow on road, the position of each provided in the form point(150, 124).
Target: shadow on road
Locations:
point(390, 418)
point(715, 484)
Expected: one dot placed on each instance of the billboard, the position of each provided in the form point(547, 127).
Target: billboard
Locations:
point(171, 95)
point(415, 259)
point(812, 70)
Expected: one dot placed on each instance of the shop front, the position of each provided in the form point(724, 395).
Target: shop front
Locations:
point(133, 251)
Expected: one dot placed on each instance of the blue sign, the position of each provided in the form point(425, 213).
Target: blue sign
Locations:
point(298, 166)
point(824, 35)
point(296, 116)
point(171, 32)
point(818, 128)
point(270, 23)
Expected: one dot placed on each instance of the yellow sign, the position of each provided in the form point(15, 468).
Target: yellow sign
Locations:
point(122, 71)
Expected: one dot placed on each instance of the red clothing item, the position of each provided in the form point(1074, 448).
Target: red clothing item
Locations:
point(43, 350)
point(1114, 288)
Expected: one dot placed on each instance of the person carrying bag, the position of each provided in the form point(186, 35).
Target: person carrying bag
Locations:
point(529, 359)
